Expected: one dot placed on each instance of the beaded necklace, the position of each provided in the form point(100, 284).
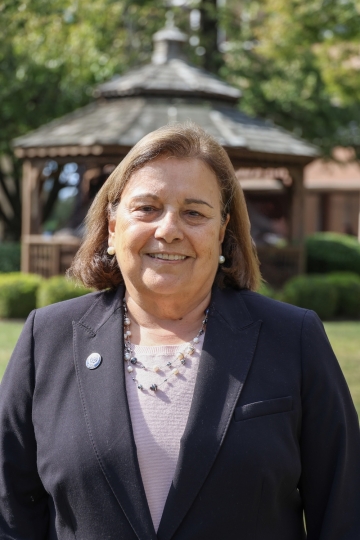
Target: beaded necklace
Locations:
point(173, 367)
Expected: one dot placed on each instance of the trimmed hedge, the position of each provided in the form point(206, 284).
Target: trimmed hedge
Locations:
point(331, 295)
point(312, 292)
point(18, 294)
point(57, 289)
point(21, 293)
point(347, 285)
point(332, 252)
point(9, 257)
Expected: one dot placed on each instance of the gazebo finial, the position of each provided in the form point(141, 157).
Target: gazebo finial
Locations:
point(168, 42)
point(170, 16)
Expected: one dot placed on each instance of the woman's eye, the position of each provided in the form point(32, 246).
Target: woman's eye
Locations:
point(193, 213)
point(147, 209)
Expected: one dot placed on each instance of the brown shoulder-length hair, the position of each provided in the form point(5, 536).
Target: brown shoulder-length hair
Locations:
point(95, 268)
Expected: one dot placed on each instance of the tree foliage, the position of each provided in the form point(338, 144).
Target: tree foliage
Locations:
point(53, 52)
point(298, 64)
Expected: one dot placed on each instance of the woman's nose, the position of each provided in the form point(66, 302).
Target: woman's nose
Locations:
point(169, 228)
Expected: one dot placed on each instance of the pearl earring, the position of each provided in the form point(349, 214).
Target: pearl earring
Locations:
point(221, 259)
point(111, 250)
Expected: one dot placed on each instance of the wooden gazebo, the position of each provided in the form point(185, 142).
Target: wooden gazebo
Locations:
point(168, 89)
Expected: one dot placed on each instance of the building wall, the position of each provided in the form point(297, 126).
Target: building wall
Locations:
point(311, 214)
point(329, 211)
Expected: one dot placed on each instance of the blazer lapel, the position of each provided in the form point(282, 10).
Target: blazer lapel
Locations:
point(229, 346)
point(105, 407)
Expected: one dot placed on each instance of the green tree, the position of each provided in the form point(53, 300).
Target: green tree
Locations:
point(297, 64)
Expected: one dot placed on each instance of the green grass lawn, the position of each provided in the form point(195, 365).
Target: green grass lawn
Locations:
point(9, 333)
point(345, 340)
point(344, 337)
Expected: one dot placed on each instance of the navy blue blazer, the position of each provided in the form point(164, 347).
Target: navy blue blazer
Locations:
point(272, 432)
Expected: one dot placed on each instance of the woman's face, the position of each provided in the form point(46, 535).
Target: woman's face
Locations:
point(168, 231)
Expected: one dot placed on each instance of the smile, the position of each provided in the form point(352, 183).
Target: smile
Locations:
point(167, 256)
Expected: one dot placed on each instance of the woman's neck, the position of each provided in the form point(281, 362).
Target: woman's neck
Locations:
point(165, 322)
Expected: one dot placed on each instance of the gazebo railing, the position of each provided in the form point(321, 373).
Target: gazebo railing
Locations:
point(48, 256)
point(280, 264)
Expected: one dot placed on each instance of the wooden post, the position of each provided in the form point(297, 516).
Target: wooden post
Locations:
point(297, 206)
point(31, 209)
point(297, 213)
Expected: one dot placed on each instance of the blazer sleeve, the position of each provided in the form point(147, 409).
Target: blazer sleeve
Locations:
point(330, 442)
point(23, 499)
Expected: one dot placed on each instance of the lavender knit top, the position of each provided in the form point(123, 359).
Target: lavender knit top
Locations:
point(159, 420)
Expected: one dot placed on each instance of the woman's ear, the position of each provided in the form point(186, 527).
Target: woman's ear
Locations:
point(111, 227)
point(111, 222)
point(223, 228)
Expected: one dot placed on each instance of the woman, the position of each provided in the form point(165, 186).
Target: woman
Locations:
point(177, 403)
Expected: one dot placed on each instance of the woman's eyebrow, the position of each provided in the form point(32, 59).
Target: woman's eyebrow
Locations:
point(197, 201)
point(145, 196)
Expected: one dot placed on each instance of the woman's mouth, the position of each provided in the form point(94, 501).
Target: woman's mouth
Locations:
point(167, 256)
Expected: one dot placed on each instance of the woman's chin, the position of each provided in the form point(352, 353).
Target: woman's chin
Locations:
point(166, 287)
point(165, 284)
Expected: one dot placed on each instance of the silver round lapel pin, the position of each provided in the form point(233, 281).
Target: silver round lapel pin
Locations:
point(93, 360)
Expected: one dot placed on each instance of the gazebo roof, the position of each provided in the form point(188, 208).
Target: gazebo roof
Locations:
point(176, 77)
point(125, 121)
point(166, 90)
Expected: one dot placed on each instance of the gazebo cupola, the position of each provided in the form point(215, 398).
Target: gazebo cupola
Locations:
point(168, 44)
point(129, 106)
